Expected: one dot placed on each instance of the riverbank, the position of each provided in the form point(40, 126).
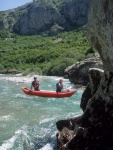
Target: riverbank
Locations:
point(19, 78)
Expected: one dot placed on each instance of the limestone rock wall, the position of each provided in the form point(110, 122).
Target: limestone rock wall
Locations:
point(37, 20)
point(41, 16)
point(93, 130)
point(3, 24)
point(95, 76)
point(100, 30)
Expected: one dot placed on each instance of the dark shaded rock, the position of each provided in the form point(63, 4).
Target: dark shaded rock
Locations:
point(95, 76)
point(68, 123)
point(100, 30)
point(75, 13)
point(93, 129)
point(78, 73)
point(64, 136)
point(95, 125)
point(67, 129)
point(85, 97)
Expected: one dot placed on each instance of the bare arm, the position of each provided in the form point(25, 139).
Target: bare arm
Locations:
point(31, 87)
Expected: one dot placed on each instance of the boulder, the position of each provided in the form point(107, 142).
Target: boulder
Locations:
point(78, 73)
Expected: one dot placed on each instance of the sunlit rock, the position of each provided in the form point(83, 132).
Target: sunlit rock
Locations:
point(78, 73)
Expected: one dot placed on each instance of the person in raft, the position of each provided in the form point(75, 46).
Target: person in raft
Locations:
point(59, 86)
point(35, 84)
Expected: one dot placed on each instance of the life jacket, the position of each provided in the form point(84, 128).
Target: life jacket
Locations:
point(35, 84)
point(59, 87)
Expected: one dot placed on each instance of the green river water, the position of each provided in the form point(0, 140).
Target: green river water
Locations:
point(29, 122)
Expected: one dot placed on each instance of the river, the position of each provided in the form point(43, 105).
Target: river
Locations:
point(29, 122)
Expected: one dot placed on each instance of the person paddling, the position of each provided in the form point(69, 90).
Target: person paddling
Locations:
point(35, 84)
point(59, 86)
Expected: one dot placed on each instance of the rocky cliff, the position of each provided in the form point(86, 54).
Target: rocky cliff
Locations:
point(46, 16)
point(93, 130)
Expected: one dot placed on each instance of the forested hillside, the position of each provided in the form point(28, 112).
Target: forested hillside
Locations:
point(42, 55)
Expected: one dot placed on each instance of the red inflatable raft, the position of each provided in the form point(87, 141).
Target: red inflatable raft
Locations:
point(44, 93)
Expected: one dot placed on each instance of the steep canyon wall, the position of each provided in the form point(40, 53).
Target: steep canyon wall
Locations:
point(93, 130)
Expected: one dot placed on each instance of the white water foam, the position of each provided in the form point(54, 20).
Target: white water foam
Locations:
point(47, 147)
point(47, 120)
point(22, 96)
point(50, 146)
point(6, 118)
point(76, 103)
point(80, 90)
point(10, 143)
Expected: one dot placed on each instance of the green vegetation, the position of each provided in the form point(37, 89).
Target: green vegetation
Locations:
point(42, 55)
point(50, 2)
point(2, 14)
